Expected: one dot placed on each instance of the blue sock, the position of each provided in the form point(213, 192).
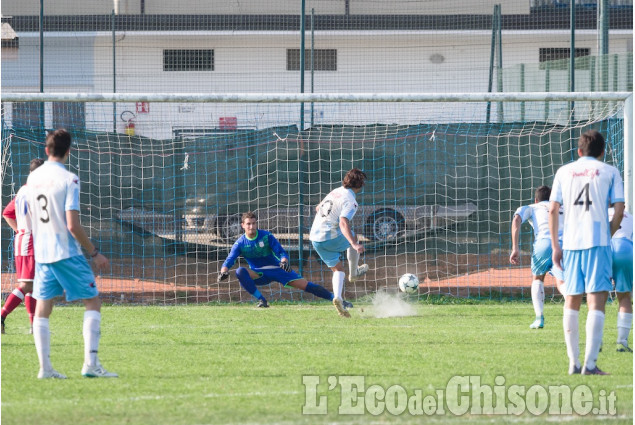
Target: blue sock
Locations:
point(248, 283)
point(318, 291)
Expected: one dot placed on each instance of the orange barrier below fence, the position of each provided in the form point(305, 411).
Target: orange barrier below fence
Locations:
point(490, 283)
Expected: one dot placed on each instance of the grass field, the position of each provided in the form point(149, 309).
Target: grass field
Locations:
point(241, 365)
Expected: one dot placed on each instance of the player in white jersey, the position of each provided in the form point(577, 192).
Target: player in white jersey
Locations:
point(60, 265)
point(622, 249)
point(585, 188)
point(331, 234)
point(537, 214)
point(16, 215)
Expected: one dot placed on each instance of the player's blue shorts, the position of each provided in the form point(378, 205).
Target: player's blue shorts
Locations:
point(270, 274)
point(72, 275)
point(541, 260)
point(622, 264)
point(329, 251)
point(587, 270)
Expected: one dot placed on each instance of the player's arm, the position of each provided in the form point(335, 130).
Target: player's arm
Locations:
point(229, 262)
point(9, 215)
point(280, 253)
point(554, 217)
point(345, 226)
point(515, 255)
point(618, 213)
point(77, 230)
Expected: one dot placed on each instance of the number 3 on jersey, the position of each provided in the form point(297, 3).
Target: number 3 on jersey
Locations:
point(43, 204)
point(586, 202)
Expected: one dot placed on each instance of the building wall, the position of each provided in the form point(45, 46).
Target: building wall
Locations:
point(256, 63)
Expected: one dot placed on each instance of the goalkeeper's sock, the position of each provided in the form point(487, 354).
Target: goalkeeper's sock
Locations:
point(248, 283)
point(338, 284)
point(318, 291)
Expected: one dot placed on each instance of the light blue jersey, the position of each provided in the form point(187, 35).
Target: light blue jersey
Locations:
point(326, 225)
point(586, 188)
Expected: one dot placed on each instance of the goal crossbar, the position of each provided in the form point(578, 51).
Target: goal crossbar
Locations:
point(316, 97)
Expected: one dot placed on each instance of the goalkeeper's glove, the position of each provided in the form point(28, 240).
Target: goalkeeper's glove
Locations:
point(284, 265)
point(222, 276)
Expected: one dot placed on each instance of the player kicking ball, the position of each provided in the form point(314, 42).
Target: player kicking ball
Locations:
point(331, 234)
point(268, 262)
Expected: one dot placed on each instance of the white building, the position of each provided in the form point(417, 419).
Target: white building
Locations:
point(253, 46)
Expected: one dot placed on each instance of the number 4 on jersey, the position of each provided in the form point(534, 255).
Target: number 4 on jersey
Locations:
point(586, 202)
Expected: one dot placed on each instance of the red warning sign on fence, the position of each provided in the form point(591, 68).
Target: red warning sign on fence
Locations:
point(143, 107)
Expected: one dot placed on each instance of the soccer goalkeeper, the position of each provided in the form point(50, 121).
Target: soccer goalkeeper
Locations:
point(268, 262)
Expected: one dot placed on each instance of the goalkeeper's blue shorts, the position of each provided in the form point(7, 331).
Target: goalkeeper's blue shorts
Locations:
point(270, 274)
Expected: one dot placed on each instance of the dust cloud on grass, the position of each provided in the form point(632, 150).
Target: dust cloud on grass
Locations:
point(385, 304)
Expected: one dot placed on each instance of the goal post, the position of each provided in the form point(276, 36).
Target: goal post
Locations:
point(165, 178)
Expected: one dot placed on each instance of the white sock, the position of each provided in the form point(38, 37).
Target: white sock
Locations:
point(338, 284)
point(353, 261)
point(42, 338)
point(572, 335)
point(594, 332)
point(92, 325)
point(624, 322)
point(538, 296)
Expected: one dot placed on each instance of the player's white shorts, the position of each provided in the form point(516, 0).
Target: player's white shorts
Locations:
point(622, 264)
point(329, 251)
point(587, 270)
point(72, 275)
point(541, 260)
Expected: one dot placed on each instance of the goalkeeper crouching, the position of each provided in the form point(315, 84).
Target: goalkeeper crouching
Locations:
point(268, 262)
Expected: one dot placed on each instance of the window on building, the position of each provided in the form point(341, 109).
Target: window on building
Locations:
point(188, 60)
point(69, 115)
point(26, 115)
point(558, 58)
point(324, 60)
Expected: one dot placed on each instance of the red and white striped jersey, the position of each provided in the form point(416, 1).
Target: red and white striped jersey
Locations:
point(18, 210)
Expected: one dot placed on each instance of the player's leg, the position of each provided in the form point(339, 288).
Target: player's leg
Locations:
point(311, 288)
point(92, 368)
point(624, 321)
point(355, 271)
point(25, 269)
point(574, 288)
point(247, 279)
point(540, 264)
point(538, 300)
point(13, 300)
point(594, 332)
point(329, 252)
point(571, 327)
point(78, 281)
point(30, 303)
point(596, 263)
point(622, 250)
point(46, 287)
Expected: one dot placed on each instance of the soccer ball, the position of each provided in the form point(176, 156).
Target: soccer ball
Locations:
point(409, 283)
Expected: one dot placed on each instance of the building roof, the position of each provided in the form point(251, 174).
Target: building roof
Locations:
point(539, 19)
